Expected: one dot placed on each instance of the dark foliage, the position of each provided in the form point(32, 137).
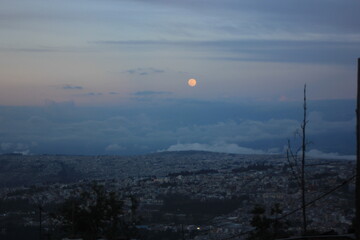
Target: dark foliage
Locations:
point(98, 214)
point(178, 203)
point(13, 231)
point(266, 228)
point(16, 205)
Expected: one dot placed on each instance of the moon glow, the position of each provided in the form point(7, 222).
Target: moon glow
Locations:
point(192, 82)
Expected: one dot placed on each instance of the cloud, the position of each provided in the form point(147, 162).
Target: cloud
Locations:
point(35, 50)
point(239, 131)
point(94, 94)
point(234, 148)
point(144, 71)
point(5, 146)
point(303, 49)
point(70, 87)
point(55, 104)
point(317, 124)
point(300, 15)
point(216, 147)
point(148, 127)
point(150, 93)
point(19, 147)
point(114, 148)
point(314, 153)
point(43, 49)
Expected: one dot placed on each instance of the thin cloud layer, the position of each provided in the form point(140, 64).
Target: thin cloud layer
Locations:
point(65, 128)
point(71, 87)
point(217, 147)
point(144, 71)
point(149, 93)
point(314, 153)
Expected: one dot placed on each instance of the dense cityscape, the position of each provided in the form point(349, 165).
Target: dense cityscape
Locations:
point(191, 194)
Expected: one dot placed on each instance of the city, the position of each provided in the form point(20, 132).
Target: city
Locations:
point(195, 194)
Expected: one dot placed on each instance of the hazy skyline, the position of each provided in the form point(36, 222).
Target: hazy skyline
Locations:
point(125, 65)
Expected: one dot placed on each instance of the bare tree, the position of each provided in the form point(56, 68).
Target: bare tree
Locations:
point(293, 160)
point(357, 195)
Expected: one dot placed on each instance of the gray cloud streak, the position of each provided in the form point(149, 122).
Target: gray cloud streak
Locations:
point(144, 71)
point(335, 51)
point(150, 93)
point(71, 87)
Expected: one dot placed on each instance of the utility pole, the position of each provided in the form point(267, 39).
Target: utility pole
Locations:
point(357, 196)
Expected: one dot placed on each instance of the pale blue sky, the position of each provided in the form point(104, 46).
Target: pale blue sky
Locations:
point(252, 50)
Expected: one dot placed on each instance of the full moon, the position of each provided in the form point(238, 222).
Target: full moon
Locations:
point(192, 82)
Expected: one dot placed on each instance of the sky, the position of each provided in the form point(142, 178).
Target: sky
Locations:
point(110, 76)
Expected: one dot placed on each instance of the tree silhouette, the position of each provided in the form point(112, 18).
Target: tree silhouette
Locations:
point(97, 214)
point(266, 227)
point(261, 223)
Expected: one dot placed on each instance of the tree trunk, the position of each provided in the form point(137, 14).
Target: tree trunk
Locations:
point(303, 200)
